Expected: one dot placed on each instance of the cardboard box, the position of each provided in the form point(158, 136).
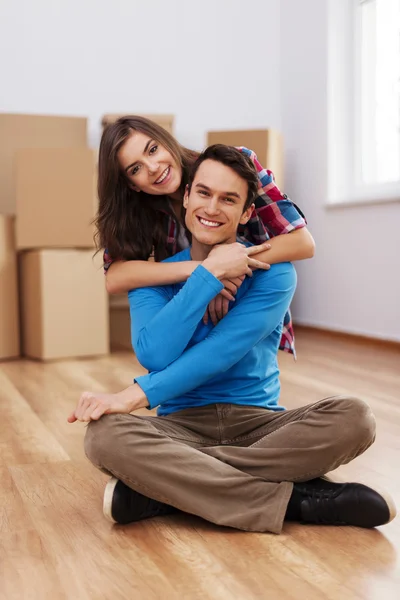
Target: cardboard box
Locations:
point(56, 197)
point(166, 121)
point(33, 131)
point(64, 304)
point(9, 321)
point(266, 143)
point(120, 327)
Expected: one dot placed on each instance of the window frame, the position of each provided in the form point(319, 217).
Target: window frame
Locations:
point(345, 186)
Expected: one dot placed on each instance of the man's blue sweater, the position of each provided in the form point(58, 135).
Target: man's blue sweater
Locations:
point(191, 364)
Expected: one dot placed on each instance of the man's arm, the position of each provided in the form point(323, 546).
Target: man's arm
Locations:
point(161, 327)
point(259, 312)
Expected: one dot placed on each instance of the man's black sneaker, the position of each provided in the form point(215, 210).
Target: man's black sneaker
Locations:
point(325, 502)
point(123, 505)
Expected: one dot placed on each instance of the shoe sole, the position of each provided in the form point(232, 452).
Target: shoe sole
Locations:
point(389, 502)
point(108, 498)
point(383, 493)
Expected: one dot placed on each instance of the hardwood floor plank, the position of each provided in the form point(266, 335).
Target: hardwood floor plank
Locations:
point(55, 542)
point(24, 438)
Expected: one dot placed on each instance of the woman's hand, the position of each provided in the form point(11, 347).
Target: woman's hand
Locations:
point(219, 306)
point(227, 261)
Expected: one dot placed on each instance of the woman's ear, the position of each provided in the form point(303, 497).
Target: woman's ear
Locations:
point(186, 197)
point(246, 215)
point(133, 187)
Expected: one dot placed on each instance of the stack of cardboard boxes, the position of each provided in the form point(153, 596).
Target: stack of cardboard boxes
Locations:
point(47, 204)
point(266, 143)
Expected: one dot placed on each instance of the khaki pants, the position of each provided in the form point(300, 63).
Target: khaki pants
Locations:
point(232, 465)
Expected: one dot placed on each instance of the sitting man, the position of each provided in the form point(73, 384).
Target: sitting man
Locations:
point(221, 446)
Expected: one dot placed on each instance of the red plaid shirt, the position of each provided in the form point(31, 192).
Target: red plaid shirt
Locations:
point(274, 214)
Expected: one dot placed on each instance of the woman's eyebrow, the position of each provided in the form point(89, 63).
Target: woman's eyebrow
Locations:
point(144, 152)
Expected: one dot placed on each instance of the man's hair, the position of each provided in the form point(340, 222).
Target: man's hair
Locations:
point(234, 159)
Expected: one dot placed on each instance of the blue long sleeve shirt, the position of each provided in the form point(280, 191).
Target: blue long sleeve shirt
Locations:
point(192, 364)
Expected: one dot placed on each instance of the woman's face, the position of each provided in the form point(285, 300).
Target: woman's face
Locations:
point(150, 167)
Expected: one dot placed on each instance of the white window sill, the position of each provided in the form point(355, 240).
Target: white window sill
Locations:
point(352, 202)
point(361, 195)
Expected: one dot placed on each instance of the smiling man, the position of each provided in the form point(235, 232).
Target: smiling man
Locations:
point(221, 446)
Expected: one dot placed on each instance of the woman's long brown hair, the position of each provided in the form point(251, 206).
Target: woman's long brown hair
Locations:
point(128, 223)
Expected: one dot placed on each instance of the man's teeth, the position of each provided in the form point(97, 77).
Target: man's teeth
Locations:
point(163, 176)
point(209, 223)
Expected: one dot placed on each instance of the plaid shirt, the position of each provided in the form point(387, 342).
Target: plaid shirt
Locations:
point(274, 214)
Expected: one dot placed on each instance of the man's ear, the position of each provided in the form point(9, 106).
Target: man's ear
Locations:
point(186, 197)
point(247, 214)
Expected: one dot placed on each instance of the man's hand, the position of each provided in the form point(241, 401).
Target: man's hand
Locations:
point(219, 306)
point(227, 261)
point(92, 406)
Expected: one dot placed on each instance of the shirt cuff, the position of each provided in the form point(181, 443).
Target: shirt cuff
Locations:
point(209, 278)
point(144, 381)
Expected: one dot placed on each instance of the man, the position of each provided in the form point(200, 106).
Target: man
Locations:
point(221, 447)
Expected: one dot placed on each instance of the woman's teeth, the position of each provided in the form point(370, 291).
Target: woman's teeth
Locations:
point(163, 176)
point(209, 223)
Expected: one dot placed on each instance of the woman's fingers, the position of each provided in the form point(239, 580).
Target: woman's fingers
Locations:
point(256, 249)
point(257, 264)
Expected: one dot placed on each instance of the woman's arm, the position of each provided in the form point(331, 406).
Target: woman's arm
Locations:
point(296, 245)
point(125, 275)
point(276, 215)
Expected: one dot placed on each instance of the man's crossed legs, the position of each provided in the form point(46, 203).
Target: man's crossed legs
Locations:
point(239, 466)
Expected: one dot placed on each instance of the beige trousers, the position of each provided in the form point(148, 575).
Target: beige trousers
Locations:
point(232, 465)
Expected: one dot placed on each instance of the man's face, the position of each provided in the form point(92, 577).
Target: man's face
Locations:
point(214, 207)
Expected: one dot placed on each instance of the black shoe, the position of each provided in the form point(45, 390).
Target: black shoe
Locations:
point(325, 502)
point(123, 505)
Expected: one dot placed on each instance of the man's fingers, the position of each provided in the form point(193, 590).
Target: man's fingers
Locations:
point(257, 264)
point(99, 412)
point(205, 318)
point(230, 286)
point(81, 408)
point(87, 415)
point(256, 249)
point(225, 307)
point(211, 310)
point(219, 307)
point(226, 294)
point(237, 281)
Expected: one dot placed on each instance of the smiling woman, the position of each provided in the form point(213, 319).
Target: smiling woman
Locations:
point(143, 173)
point(154, 169)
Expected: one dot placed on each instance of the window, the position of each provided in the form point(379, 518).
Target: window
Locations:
point(364, 100)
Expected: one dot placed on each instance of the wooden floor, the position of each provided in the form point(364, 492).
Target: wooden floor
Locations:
point(55, 543)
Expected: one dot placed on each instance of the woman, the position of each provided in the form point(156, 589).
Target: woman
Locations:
point(143, 172)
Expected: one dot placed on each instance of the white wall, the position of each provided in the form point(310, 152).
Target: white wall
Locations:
point(216, 64)
point(202, 61)
point(353, 283)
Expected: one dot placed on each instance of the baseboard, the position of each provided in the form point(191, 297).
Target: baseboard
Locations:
point(345, 335)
